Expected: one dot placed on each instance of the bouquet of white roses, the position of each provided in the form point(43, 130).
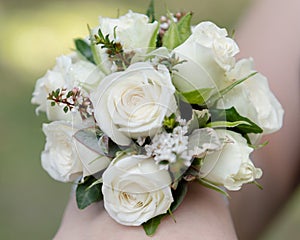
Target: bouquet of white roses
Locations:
point(143, 107)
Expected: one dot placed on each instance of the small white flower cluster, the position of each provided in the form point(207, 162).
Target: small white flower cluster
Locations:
point(167, 148)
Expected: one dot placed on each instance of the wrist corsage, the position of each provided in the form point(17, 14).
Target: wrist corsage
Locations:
point(142, 107)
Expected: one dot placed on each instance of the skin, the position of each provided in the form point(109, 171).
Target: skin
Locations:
point(203, 214)
point(270, 33)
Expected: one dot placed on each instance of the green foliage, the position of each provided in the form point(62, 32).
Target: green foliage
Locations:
point(225, 124)
point(170, 123)
point(212, 186)
point(184, 26)
point(151, 11)
point(153, 40)
point(172, 37)
point(177, 32)
point(85, 49)
point(198, 96)
point(86, 195)
point(218, 95)
point(231, 115)
point(151, 225)
point(89, 137)
point(113, 48)
point(179, 194)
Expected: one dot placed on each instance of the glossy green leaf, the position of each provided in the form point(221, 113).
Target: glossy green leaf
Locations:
point(86, 195)
point(151, 11)
point(84, 49)
point(179, 194)
point(231, 115)
point(151, 225)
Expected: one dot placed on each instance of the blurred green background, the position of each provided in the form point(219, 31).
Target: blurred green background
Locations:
point(32, 34)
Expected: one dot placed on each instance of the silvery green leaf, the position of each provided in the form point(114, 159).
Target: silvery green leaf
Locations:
point(88, 137)
point(203, 140)
point(93, 160)
point(198, 120)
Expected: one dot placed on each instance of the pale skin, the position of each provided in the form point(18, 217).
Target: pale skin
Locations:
point(270, 33)
point(203, 214)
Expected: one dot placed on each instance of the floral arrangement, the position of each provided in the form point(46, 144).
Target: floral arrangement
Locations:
point(143, 107)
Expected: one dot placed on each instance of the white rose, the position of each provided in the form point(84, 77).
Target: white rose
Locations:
point(136, 190)
point(132, 30)
point(64, 158)
point(68, 72)
point(206, 32)
point(230, 167)
point(253, 98)
point(133, 103)
point(224, 50)
point(208, 54)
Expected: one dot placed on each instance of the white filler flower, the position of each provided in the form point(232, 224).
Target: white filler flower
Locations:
point(136, 190)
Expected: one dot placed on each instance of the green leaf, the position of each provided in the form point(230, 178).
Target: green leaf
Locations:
point(184, 27)
point(86, 195)
point(231, 115)
point(84, 49)
point(198, 120)
point(218, 95)
point(177, 32)
point(56, 93)
point(89, 138)
point(151, 11)
point(153, 40)
point(179, 194)
point(212, 186)
point(259, 145)
point(95, 53)
point(66, 109)
point(225, 124)
point(198, 96)
point(172, 37)
point(151, 225)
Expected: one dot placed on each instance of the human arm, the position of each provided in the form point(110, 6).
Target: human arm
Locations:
point(203, 214)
